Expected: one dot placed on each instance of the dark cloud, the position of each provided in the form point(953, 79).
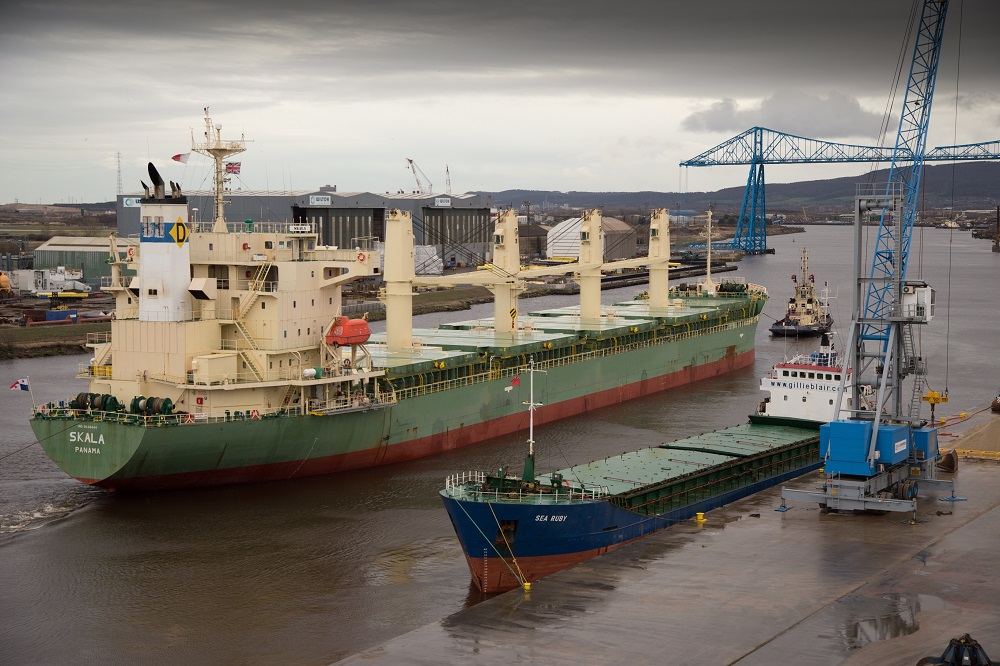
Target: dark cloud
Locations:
point(582, 87)
point(834, 116)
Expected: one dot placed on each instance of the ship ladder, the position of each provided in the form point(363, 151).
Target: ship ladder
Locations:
point(519, 575)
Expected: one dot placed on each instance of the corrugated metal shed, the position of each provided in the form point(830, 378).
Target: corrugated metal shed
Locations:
point(88, 253)
point(620, 239)
point(457, 224)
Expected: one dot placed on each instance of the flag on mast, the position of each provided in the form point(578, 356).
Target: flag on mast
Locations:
point(20, 385)
point(233, 167)
point(181, 157)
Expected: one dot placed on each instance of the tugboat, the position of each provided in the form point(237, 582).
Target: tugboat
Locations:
point(806, 316)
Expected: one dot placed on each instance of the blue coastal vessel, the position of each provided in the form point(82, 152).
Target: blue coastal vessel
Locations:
point(515, 530)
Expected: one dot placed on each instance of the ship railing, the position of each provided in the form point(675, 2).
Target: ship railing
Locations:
point(470, 485)
point(494, 375)
point(62, 410)
point(353, 402)
point(89, 371)
point(99, 338)
point(458, 481)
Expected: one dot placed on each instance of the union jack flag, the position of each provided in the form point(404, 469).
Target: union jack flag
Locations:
point(233, 167)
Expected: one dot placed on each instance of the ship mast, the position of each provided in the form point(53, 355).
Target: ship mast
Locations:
point(218, 150)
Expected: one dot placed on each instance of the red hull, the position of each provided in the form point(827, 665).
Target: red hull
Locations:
point(493, 574)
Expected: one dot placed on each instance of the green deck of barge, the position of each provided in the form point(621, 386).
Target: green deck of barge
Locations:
point(726, 457)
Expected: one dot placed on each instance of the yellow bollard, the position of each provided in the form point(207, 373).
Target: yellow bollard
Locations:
point(527, 587)
point(699, 517)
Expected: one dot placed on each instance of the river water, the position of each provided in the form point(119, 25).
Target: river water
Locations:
point(313, 570)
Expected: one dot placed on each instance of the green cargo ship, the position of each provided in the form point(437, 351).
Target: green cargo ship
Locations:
point(229, 360)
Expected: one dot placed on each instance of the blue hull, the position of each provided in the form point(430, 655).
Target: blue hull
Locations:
point(539, 539)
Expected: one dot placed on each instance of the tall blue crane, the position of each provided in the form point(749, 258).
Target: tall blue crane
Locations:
point(758, 146)
point(870, 464)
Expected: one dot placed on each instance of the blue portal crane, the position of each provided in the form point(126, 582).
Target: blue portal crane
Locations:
point(758, 146)
point(875, 459)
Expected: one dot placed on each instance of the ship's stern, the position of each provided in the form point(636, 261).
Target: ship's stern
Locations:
point(90, 451)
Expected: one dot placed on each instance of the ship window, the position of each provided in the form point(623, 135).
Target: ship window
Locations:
point(831, 401)
point(268, 245)
point(803, 398)
point(829, 376)
point(270, 365)
point(308, 330)
point(786, 398)
point(281, 245)
point(280, 363)
point(244, 365)
point(263, 305)
point(795, 373)
point(784, 373)
point(211, 246)
point(812, 375)
point(654, 233)
point(837, 377)
point(152, 292)
point(130, 300)
point(300, 332)
point(312, 302)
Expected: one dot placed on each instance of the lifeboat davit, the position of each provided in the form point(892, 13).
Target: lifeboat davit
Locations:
point(344, 331)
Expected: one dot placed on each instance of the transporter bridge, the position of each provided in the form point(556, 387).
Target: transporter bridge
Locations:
point(758, 146)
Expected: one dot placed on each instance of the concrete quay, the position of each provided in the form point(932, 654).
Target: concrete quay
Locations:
point(756, 586)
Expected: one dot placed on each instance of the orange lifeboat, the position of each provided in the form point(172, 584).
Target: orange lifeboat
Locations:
point(346, 331)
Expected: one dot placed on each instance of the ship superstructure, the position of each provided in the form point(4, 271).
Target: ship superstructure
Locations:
point(806, 315)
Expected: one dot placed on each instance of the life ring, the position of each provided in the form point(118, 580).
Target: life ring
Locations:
point(44, 408)
point(130, 253)
point(347, 362)
point(566, 484)
point(189, 418)
point(254, 414)
point(361, 256)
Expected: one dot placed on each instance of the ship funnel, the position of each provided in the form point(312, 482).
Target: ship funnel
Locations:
point(158, 189)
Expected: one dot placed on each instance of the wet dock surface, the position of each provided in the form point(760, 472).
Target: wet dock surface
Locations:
point(753, 586)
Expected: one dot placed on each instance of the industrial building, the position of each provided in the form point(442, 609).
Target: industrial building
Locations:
point(458, 225)
point(87, 253)
point(620, 239)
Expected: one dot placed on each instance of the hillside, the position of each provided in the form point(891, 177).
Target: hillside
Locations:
point(973, 185)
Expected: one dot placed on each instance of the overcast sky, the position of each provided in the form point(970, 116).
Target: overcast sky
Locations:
point(582, 95)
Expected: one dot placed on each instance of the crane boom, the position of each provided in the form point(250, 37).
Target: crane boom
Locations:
point(907, 168)
point(417, 172)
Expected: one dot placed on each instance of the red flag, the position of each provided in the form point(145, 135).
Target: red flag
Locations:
point(516, 381)
point(181, 157)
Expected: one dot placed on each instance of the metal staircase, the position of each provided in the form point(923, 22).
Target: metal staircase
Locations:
point(913, 364)
point(254, 289)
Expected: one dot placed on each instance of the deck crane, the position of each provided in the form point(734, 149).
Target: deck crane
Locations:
point(875, 459)
point(420, 183)
point(758, 146)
